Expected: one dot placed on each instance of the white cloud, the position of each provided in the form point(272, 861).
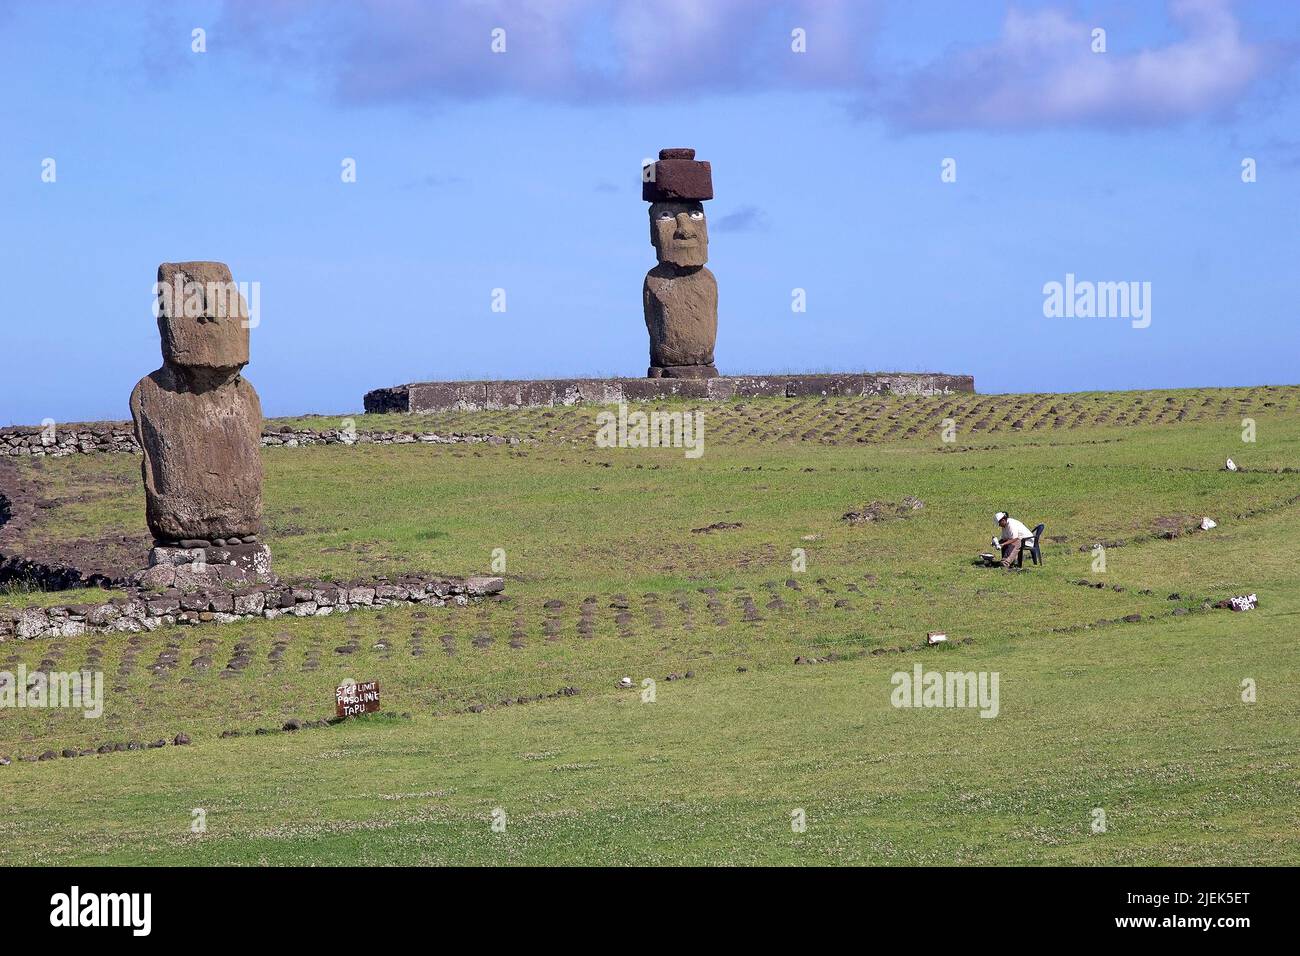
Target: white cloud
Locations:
point(1042, 71)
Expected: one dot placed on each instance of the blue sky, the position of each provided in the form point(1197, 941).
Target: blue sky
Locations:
point(520, 171)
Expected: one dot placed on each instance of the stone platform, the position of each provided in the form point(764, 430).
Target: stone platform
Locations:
point(209, 566)
point(548, 393)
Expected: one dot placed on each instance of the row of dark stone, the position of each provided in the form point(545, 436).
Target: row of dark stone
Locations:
point(180, 740)
point(192, 544)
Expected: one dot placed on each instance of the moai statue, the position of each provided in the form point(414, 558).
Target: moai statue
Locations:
point(199, 422)
point(680, 295)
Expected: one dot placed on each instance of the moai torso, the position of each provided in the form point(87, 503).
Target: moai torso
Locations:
point(681, 315)
point(202, 456)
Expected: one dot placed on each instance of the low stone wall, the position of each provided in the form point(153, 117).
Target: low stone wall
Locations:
point(36, 442)
point(548, 393)
point(144, 610)
point(290, 438)
point(59, 440)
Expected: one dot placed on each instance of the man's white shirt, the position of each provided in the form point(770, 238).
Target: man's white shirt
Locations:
point(1015, 529)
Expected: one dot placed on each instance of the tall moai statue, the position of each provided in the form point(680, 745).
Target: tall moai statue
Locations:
point(199, 422)
point(680, 295)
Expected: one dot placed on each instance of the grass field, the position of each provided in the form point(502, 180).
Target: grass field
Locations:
point(610, 572)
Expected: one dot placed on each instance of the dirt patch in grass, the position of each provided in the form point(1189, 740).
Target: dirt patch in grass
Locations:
point(26, 555)
point(1173, 526)
point(884, 510)
point(717, 526)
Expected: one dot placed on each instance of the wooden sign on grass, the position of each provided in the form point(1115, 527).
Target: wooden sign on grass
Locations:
point(356, 699)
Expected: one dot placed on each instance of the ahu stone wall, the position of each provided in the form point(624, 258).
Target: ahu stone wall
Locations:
point(549, 393)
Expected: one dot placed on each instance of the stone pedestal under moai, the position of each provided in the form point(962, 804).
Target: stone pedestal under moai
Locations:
point(680, 295)
point(199, 422)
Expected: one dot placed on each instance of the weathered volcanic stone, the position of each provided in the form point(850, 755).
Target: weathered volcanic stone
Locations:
point(678, 176)
point(681, 315)
point(197, 419)
point(207, 568)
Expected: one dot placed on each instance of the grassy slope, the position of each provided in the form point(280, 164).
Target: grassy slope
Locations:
point(1144, 720)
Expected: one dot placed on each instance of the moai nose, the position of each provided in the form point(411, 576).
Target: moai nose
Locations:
point(685, 228)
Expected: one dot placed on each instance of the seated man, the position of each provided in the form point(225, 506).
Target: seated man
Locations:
point(1012, 539)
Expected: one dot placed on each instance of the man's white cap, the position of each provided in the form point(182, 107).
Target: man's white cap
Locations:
point(999, 516)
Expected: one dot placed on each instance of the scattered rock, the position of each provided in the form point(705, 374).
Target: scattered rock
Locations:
point(1242, 602)
point(717, 526)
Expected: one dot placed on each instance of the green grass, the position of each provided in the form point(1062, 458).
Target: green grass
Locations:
point(864, 419)
point(1144, 720)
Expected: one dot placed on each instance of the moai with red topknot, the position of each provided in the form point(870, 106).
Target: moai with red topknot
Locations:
point(680, 295)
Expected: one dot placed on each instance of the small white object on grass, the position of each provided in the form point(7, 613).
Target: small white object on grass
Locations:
point(935, 637)
point(1208, 523)
point(625, 682)
point(1231, 465)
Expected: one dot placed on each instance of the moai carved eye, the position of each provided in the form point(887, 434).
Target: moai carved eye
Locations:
point(697, 214)
point(666, 216)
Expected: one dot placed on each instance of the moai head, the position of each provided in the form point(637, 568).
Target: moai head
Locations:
point(676, 187)
point(202, 318)
point(680, 233)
